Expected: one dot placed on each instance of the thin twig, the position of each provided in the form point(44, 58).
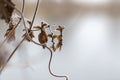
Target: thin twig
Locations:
point(23, 6)
point(34, 14)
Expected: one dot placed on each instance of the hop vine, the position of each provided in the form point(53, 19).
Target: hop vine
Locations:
point(28, 33)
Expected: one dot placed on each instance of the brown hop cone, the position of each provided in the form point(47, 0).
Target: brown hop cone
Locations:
point(42, 37)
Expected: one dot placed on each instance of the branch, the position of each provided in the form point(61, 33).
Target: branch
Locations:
point(34, 14)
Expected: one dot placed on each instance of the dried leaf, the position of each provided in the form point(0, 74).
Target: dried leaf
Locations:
point(54, 36)
point(37, 27)
point(29, 22)
point(6, 10)
point(60, 28)
point(50, 35)
point(53, 48)
point(59, 38)
point(43, 24)
point(31, 34)
point(6, 33)
point(12, 24)
point(59, 45)
point(10, 37)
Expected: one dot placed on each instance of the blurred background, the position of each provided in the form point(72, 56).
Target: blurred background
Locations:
point(91, 39)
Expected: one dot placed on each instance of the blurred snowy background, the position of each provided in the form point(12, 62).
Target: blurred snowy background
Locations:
point(91, 49)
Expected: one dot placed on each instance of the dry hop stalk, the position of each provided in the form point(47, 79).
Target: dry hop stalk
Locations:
point(43, 36)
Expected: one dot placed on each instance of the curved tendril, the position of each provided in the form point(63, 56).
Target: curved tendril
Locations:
point(49, 65)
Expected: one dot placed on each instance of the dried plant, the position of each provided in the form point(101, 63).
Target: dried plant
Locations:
point(59, 38)
point(6, 10)
point(43, 36)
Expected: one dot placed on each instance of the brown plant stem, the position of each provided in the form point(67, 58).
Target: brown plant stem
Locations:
point(1, 70)
point(34, 14)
